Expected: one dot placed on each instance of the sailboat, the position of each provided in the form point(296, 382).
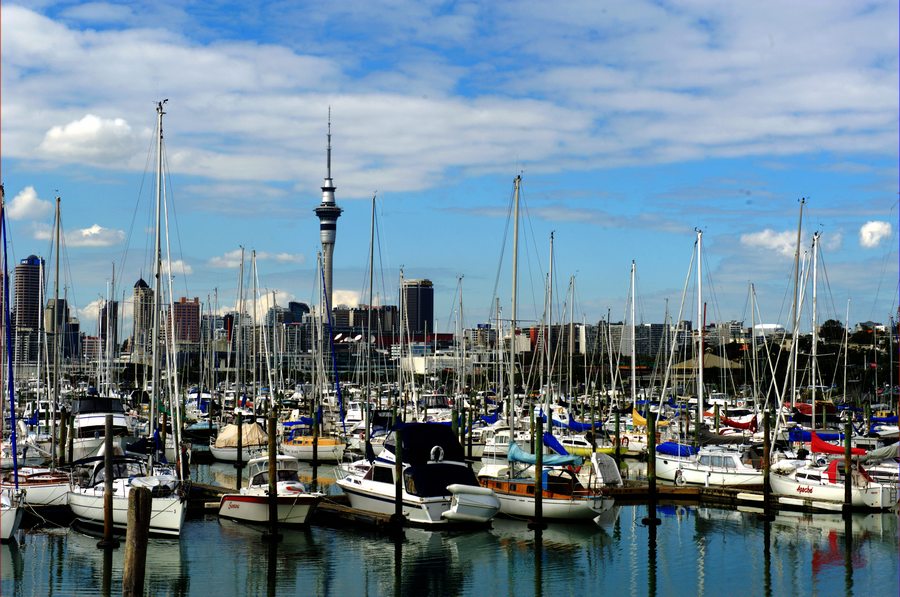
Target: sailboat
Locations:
point(10, 497)
point(168, 507)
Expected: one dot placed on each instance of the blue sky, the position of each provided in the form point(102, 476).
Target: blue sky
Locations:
point(632, 123)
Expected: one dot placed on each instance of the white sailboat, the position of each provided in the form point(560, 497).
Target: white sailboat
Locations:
point(168, 502)
point(251, 504)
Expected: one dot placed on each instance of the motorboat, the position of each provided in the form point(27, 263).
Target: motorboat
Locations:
point(251, 504)
point(820, 484)
point(168, 507)
point(439, 489)
point(720, 466)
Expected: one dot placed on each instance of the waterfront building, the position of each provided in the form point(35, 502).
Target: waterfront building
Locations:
point(28, 304)
point(109, 326)
point(142, 336)
point(417, 305)
point(185, 320)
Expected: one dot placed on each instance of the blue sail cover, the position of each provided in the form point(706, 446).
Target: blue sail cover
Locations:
point(551, 442)
point(799, 435)
point(885, 420)
point(675, 449)
point(491, 419)
point(582, 427)
point(517, 454)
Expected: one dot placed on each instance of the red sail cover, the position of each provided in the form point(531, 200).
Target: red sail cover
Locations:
point(751, 424)
point(822, 447)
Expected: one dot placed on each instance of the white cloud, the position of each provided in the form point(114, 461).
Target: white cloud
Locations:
point(27, 206)
point(872, 233)
point(349, 298)
point(89, 315)
point(784, 243)
point(178, 267)
point(91, 139)
point(94, 236)
point(232, 259)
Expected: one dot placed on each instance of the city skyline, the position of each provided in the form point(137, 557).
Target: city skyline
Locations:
point(625, 149)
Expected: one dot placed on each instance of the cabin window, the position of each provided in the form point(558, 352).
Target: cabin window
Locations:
point(704, 460)
point(716, 461)
point(383, 474)
point(530, 490)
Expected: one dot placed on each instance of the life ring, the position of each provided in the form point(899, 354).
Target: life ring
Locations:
point(679, 478)
point(623, 441)
point(437, 453)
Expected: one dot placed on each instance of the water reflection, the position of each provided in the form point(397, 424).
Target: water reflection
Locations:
point(693, 551)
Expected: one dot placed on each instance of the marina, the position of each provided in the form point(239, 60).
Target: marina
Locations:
point(604, 299)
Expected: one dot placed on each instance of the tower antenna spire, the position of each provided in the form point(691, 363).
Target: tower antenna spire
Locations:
point(329, 144)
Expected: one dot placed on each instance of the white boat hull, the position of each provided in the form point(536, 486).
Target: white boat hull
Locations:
point(669, 468)
point(166, 513)
point(879, 496)
point(333, 452)
point(292, 510)
point(561, 509)
point(368, 496)
point(231, 454)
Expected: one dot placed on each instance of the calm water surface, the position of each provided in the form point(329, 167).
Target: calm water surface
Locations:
point(694, 551)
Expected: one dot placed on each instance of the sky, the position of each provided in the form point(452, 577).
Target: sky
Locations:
point(632, 123)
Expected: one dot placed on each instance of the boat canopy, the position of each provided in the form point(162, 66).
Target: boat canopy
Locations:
point(675, 449)
point(420, 441)
point(517, 454)
point(251, 435)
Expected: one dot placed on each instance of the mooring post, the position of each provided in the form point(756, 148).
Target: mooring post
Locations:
point(848, 494)
point(71, 439)
point(108, 541)
point(767, 465)
point(272, 535)
point(63, 435)
point(651, 518)
point(315, 448)
point(618, 446)
point(239, 464)
point(139, 500)
point(397, 518)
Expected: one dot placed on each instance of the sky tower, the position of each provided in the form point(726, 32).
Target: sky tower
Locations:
point(328, 213)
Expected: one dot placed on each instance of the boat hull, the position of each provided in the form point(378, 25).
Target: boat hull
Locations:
point(367, 496)
point(877, 496)
point(305, 451)
point(166, 513)
point(292, 510)
point(231, 454)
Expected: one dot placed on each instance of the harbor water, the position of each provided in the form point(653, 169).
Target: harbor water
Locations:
point(694, 551)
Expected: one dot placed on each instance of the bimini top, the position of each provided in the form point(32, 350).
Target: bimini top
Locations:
point(419, 439)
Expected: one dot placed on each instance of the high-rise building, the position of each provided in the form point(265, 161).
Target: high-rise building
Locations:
point(186, 320)
point(328, 213)
point(28, 307)
point(417, 307)
point(142, 337)
point(109, 326)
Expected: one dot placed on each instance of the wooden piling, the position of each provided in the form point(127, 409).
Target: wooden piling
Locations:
point(63, 435)
point(397, 518)
point(848, 494)
point(136, 542)
point(239, 465)
point(108, 541)
point(272, 535)
point(71, 448)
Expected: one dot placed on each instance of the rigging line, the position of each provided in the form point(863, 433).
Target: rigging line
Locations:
point(169, 191)
point(509, 216)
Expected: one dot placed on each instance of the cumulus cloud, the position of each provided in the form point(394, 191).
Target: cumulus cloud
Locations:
point(349, 298)
point(784, 243)
point(27, 206)
point(94, 236)
point(177, 267)
point(232, 259)
point(91, 139)
point(873, 232)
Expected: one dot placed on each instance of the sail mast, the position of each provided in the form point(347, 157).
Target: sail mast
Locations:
point(511, 415)
point(157, 276)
